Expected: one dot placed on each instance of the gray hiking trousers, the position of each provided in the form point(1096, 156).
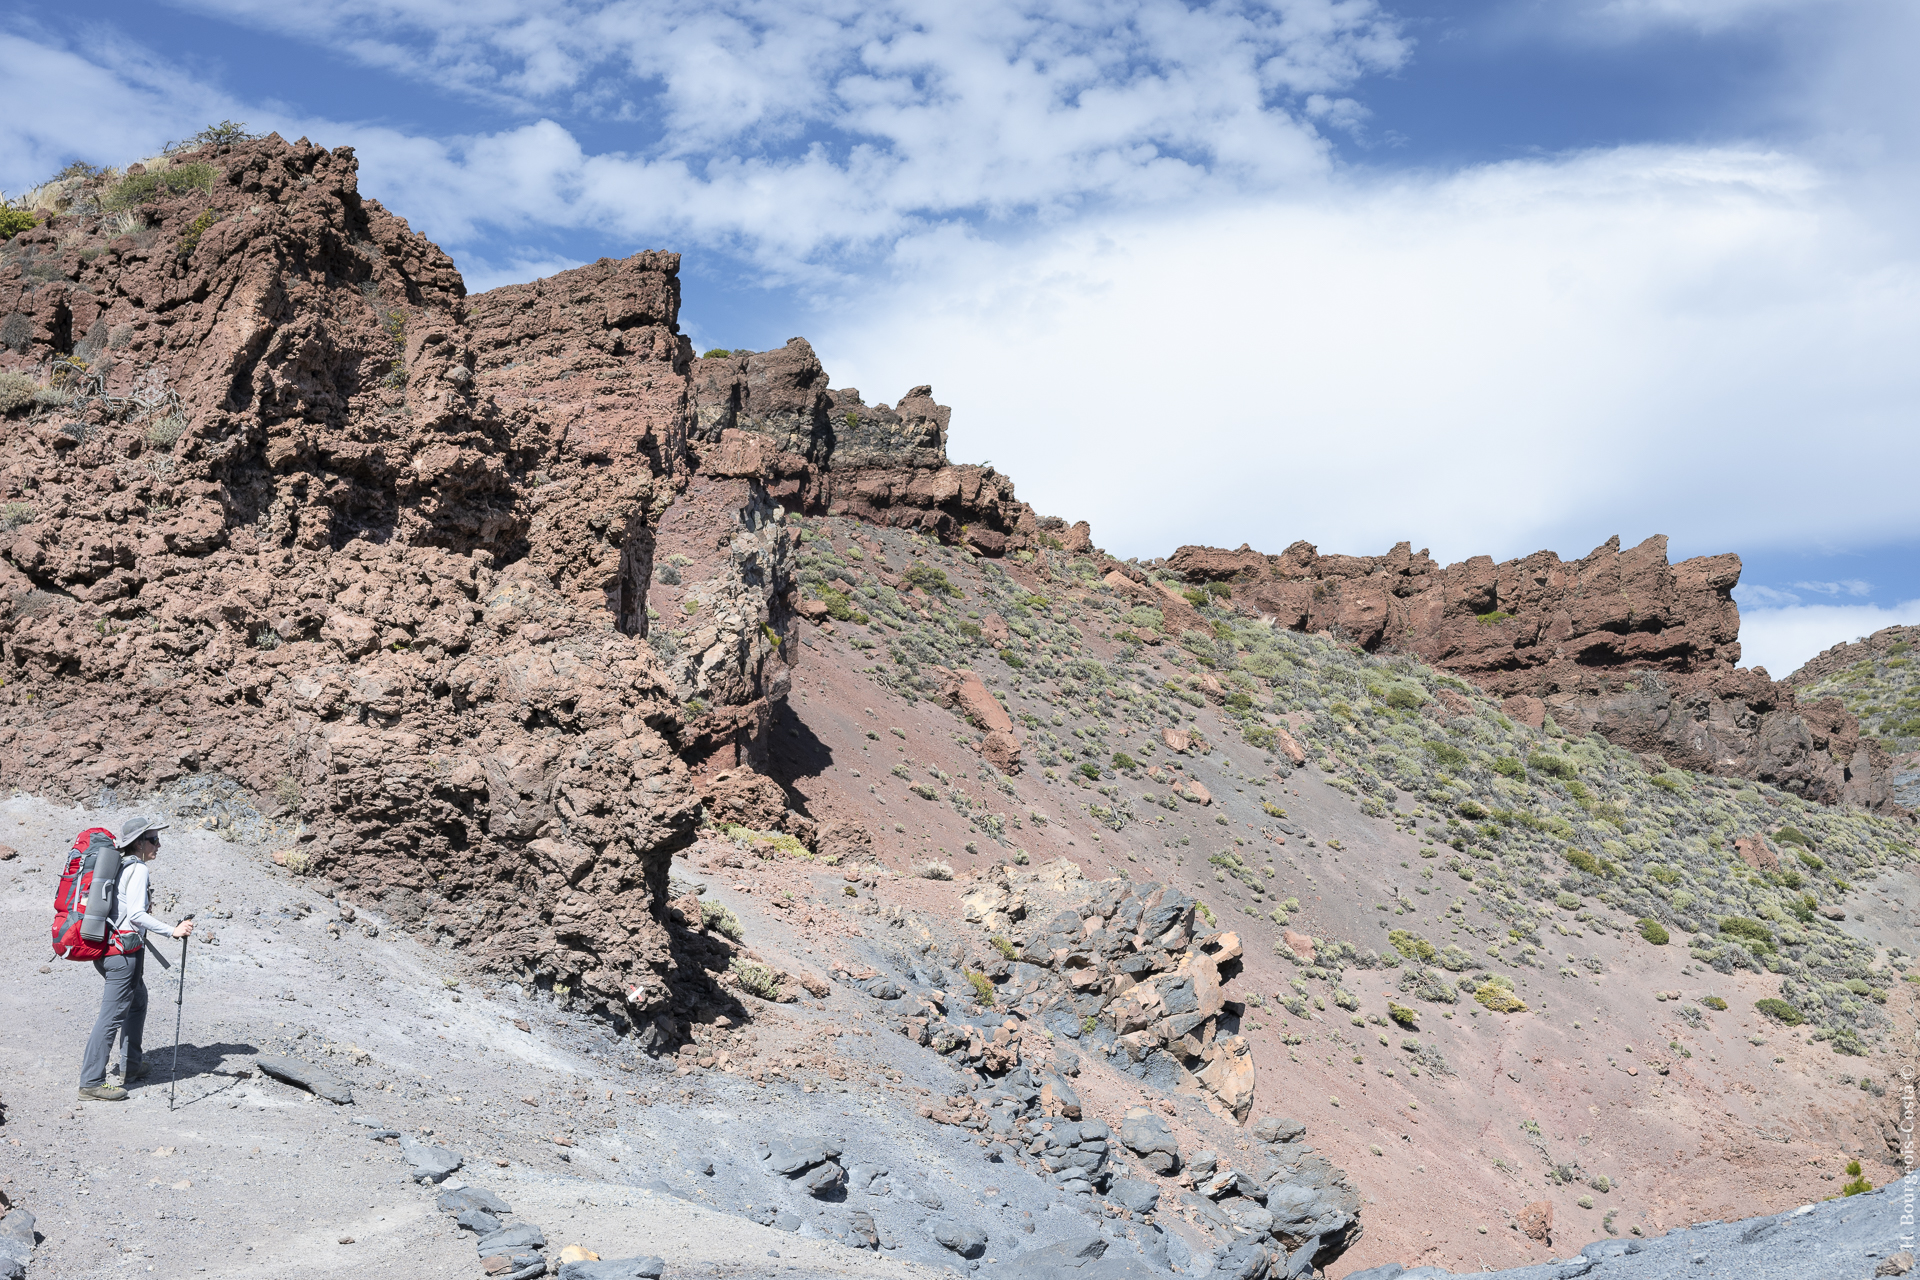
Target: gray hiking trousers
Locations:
point(123, 1012)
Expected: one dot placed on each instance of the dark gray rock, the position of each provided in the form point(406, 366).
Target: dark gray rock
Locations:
point(16, 1244)
point(521, 1236)
point(455, 1199)
point(478, 1221)
point(799, 1156)
point(430, 1164)
point(1391, 1271)
point(649, 1268)
point(1147, 1136)
point(1244, 1260)
point(306, 1076)
point(885, 989)
point(964, 1238)
point(824, 1179)
point(1202, 1164)
point(1134, 1197)
point(862, 1176)
point(1278, 1129)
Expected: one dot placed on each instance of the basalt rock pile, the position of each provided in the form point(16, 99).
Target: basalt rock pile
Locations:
point(1620, 642)
point(284, 505)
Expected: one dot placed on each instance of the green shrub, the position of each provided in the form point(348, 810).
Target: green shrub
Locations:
point(1653, 931)
point(1411, 945)
point(1401, 1014)
point(1793, 835)
point(1471, 811)
point(1493, 619)
point(1669, 782)
point(1121, 760)
point(1005, 948)
point(718, 353)
point(14, 221)
point(226, 133)
point(190, 238)
point(15, 514)
point(982, 985)
point(1090, 770)
point(1552, 766)
point(755, 979)
point(1509, 766)
point(163, 432)
point(1663, 874)
point(932, 581)
point(1715, 1003)
point(16, 391)
point(719, 918)
point(1747, 928)
point(1446, 755)
point(1403, 698)
point(176, 179)
point(1810, 862)
point(971, 630)
point(1584, 861)
point(1858, 1184)
point(1013, 659)
point(1566, 901)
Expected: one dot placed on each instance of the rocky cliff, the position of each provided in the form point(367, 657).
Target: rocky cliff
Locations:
point(1620, 642)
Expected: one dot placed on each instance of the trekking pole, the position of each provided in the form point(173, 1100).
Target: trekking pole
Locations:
point(179, 1010)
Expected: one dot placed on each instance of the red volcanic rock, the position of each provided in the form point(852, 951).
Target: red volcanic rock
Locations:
point(1536, 1221)
point(1620, 642)
point(771, 416)
point(321, 523)
point(1754, 852)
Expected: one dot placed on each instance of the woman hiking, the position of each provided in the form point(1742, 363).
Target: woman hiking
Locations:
point(123, 1005)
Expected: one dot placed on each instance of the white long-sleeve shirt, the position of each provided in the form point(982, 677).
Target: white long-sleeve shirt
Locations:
point(136, 895)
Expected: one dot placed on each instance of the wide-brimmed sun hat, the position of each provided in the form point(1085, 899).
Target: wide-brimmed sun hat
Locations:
point(137, 827)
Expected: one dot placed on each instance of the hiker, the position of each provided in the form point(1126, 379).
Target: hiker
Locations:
point(123, 1005)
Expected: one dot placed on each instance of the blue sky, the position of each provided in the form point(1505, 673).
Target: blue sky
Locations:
point(1492, 276)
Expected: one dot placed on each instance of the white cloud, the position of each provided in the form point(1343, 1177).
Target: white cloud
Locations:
point(1752, 594)
point(1848, 586)
point(1536, 353)
point(1782, 640)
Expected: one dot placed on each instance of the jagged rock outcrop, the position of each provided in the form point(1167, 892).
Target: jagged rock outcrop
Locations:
point(770, 415)
point(290, 508)
point(1620, 642)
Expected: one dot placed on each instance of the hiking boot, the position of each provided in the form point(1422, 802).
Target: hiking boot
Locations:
point(103, 1093)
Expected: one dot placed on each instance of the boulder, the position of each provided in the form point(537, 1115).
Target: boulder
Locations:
point(803, 1154)
point(1144, 1133)
point(1134, 1197)
point(647, 1268)
point(963, 1238)
point(511, 1239)
point(1278, 1129)
point(473, 1198)
point(306, 1076)
point(1536, 1221)
point(430, 1164)
point(1229, 1076)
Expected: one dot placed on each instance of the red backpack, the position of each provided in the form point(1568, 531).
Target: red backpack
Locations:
point(70, 900)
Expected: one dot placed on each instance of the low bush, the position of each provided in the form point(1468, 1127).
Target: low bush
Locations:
point(1498, 995)
point(16, 391)
point(934, 871)
point(1715, 1003)
point(718, 353)
point(1552, 766)
point(1510, 767)
point(175, 179)
point(1493, 619)
point(1584, 861)
point(1446, 755)
point(1653, 931)
point(14, 221)
point(755, 979)
point(1401, 1014)
point(1121, 760)
point(718, 918)
point(982, 985)
point(1780, 1011)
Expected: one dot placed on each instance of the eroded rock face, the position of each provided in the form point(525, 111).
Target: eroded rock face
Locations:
point(771, 416)
point(295, 510)
point(1620, 642)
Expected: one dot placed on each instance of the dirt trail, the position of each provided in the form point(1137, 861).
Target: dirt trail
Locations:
point(252, 1177)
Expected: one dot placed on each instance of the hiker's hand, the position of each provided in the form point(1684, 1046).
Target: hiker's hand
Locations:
point(182, 929)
